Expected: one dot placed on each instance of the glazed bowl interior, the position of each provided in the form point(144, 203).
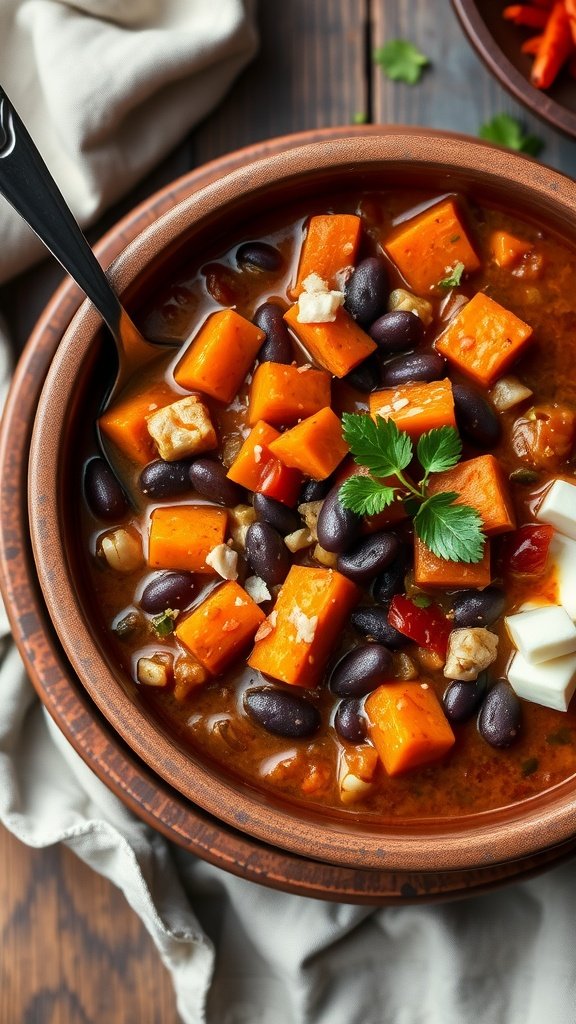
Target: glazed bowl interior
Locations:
point(81, 370)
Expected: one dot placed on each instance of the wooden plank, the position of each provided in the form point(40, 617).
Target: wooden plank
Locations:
point(309, 73)
point(71, 950)
point(456, 92)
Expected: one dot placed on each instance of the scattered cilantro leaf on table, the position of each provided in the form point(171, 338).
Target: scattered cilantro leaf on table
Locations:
point(401, 61)
point(451, 531)
point(359, 118)
point(507, 131)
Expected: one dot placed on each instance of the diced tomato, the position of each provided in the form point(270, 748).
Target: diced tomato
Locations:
point(526, 550)
point(280, 482)
point(428, 627)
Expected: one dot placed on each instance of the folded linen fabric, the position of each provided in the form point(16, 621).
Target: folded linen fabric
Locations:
point(108, 87)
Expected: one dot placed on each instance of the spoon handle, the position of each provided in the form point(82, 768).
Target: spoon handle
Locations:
point(27, 184)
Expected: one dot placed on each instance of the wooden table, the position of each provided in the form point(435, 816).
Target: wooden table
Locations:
point(71, 950)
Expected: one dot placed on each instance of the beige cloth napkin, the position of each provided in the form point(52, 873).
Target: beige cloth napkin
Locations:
point(108, 86)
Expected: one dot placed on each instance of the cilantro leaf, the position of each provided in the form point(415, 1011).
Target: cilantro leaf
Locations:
point(379, 446)
point(454, 278)
point(365, 496)
point(452, 532)
point(401, 61)
point(163, 624)
point(507, 131)
point(439, 449)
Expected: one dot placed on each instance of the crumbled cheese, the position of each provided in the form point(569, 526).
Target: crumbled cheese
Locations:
point(181, 429)
point(257, 452)
point(299, 540)
point(273, 618)
point(256, 588)
point(470, 651)
point(224, 560)
point(305, 625)
point(317, 304)
point(304, 367)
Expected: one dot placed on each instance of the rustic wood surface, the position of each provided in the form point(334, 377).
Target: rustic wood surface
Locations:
point(71, 950)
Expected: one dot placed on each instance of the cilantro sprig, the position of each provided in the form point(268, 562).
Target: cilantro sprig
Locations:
point(454, 278)
point(451, 531)
point(401, 61)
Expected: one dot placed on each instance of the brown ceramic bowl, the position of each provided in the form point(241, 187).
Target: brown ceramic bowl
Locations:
point(498, 43)
point(423, 158)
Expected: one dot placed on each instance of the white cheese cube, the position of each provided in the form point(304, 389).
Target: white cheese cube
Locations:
point(181, 429)
point(558, 508)
point(551, 684)
point(542, 633)
point(563, 559)
point(319, 307)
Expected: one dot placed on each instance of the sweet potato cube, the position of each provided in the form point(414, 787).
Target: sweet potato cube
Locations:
point(285, 394)
point(427, 247)
point(483, 339)
point(416, 408)
point(181, 536)
point(309, 614)
point(220, 629)
point(407, 725)
point(315, 446)
point(247, 467)
point(431, 571)
point(125, 423)
point(507, 250)
point(219, 357)
point(330, 245)
point(338, 345)
point(481, 483)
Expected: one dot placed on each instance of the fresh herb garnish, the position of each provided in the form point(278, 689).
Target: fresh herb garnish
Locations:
point(163, 624)
point(454, 277)
point(452, 532)
point(421, 600)
point(401, 61)
point(507, 131)
point(525, 477)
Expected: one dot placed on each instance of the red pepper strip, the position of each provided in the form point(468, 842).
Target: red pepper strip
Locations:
point(280, 482)
point(532, 45)
point(556, 47)
point(524, 14)
point(428, 627)
point(526, 550)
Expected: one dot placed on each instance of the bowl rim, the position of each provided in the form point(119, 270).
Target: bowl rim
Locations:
point(490, 837)
point(540, 103)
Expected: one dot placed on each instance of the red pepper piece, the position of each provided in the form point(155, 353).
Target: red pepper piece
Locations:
point(280, 482)
point(428, 627)
point(526, 550)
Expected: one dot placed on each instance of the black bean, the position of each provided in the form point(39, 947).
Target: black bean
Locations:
point(161, 479)
point(168, 590)
point(462, 699)
point(284, 714)
point(314, 490)
point(362, 562)
point(104, 495)
point(366, 376)
point(478, 607)
point(277, 348)
point(361, 670)
point(398, 331)
point(499, 720)
point(477, 420)
point(417, 366)
point(267, 554)
point(259, 256)
point(208, 478)
point(391, 581)
point(366, 291)
point(349, 722)
point(373, 622)
point(282, 518)
point(337, 527)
